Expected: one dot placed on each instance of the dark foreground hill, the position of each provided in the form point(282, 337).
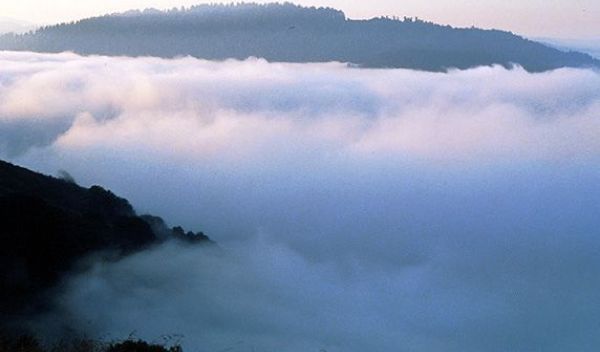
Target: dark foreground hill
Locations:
point(48, 224)
point(290, 33)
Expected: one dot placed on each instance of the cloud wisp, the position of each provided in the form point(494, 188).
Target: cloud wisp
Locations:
point(359, 209)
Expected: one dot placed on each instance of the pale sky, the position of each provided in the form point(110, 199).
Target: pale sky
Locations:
point(540, 18)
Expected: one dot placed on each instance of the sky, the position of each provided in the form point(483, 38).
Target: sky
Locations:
point(358, 210)
point(572, 19)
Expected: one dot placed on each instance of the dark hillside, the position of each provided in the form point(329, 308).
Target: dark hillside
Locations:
point(49, 224)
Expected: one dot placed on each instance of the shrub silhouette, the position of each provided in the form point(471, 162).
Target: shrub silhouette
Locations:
point(141, 346)
point(28, 343)
point(23, 343)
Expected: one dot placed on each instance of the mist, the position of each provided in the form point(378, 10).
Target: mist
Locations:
point(356, 209)
point(591, 46)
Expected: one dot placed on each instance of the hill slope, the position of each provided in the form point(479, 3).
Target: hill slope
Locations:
point(49, 224)
point(290, 33)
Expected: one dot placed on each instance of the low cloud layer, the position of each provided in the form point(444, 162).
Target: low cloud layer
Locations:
point(358, 209)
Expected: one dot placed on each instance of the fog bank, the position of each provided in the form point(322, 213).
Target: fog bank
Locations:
point(358, 209)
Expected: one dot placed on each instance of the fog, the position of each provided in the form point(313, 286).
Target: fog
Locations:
point(355, 209)
point(591, 46)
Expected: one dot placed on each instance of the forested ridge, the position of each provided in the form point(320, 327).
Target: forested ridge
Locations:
point(291, 33)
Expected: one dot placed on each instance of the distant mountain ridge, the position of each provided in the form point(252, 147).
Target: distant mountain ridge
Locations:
point(291, 33)
point(590, 46)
